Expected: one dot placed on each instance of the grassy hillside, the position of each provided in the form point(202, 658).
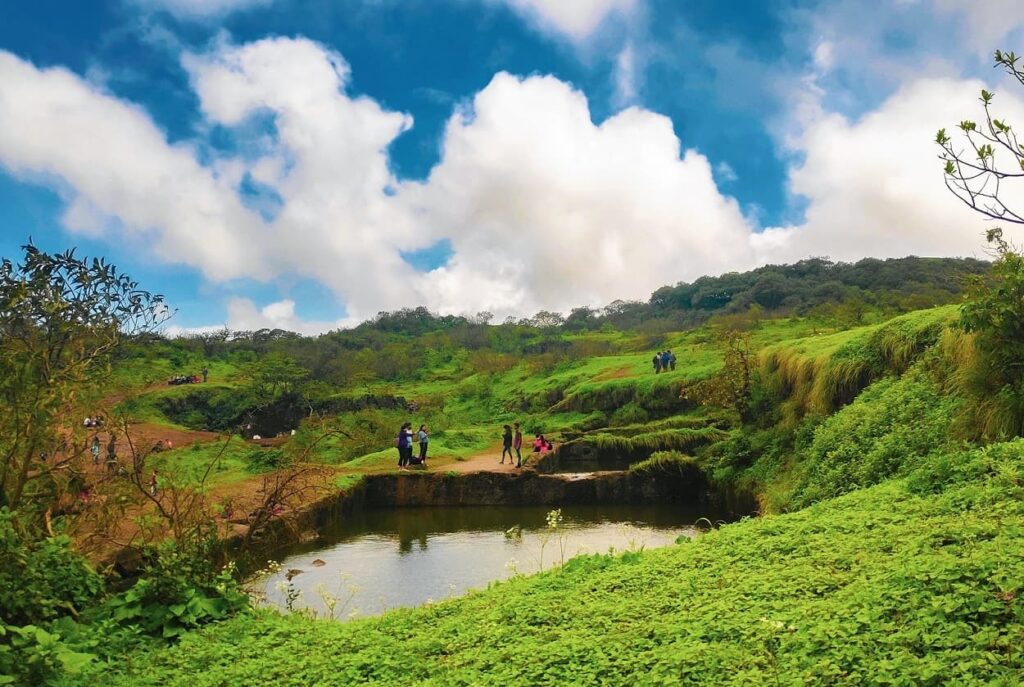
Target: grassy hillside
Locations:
point(898, 559)
point(889, 549)
point(910, 582)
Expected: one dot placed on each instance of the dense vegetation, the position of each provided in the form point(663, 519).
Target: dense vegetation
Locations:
point(909, 579)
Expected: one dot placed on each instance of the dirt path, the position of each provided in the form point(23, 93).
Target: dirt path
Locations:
point(488, 461)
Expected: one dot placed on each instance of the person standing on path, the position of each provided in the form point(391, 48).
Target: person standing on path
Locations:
point(205, 372)
point(95, 450)
point(506, 445)
point(404, 443)
point(424, 437)
point(112, 454)
point(517, 444)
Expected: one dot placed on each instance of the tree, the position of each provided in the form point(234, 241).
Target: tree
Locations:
point(61, 318)
point(273, 375)
point(733, 386)
point(994, 313)
point(992, 155)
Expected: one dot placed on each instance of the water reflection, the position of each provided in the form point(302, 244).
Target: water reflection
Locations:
point(381, 559)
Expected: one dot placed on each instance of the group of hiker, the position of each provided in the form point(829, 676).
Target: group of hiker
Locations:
point(111, 457)
point(512, 439)
point(189, 379)
point(404, 442)
point(664, 361)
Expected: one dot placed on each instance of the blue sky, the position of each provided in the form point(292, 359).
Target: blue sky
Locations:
point(306, 163)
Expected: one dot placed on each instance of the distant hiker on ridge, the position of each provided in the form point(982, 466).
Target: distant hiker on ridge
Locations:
point(657, 363)
point(671, 361)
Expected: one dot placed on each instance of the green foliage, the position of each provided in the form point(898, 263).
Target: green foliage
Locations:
point(272, 375)
point(265, 459)
point(878, 587)
point(995, 315)
point(41, 582)
point(61, 318)
point(181, 588)
point(887, 431)
point(733, 386)
point(666, 463)
point(41, 579)
point(642, 446)
point(631, 413)
point(820, 374)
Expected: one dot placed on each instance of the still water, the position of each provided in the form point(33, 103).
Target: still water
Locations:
point(385, 558)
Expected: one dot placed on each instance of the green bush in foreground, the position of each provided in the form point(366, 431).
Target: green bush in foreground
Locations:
point(885, 586)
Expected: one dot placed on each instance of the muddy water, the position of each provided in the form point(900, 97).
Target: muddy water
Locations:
point(385, 558)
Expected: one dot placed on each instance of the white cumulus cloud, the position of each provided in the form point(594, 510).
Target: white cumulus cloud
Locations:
point(577, 19)
point(327, 161)
point(118, 168)
point(874, 186)
point(544, 208)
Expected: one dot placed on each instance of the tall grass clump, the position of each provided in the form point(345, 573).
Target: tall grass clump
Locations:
point(641, 446)
point(888, 430)
point(672, 422)
point(822, 374)
point(665, 463)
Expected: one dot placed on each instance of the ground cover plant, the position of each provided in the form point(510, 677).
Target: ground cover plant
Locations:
point(896, 584)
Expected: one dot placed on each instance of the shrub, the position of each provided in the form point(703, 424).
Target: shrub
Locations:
point(664, 463)
point(181, 588)
point(887, 431)
point(264, 459)
point(631, 413)
point(40, 577)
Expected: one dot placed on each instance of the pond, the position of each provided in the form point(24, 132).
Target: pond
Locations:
point(379, 559)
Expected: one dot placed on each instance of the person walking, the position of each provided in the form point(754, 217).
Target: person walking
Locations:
point(206, 373)
point(112, 454)
point(657, 362)
point(506, 445)
point(95, 450)
point(672, 361)
point(665, 355)
point(424, 437)
point(517, 444)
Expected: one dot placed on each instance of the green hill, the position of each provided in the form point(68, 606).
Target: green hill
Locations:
point(888, 549)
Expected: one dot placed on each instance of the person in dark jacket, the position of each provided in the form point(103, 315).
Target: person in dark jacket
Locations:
point(506, 445)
